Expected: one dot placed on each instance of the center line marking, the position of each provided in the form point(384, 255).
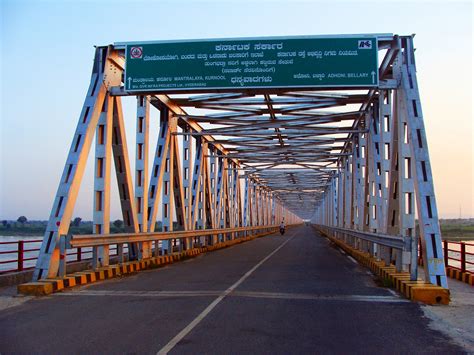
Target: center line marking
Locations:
point(172, 343)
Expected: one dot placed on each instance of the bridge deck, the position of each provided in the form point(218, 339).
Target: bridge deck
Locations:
point(290, 294)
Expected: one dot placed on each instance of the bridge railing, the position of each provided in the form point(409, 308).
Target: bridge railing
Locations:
point(457, 255)
point(354, 237)
point(379, 245)
point(178, 239)
point(22, 255)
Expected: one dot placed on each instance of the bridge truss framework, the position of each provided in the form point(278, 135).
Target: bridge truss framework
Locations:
point(346, 158)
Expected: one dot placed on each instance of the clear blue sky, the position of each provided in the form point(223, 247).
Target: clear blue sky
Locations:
point(47, 51)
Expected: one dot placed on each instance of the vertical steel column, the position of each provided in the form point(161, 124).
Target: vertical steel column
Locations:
point(63, 205)
point(141, 169)
point(421, 169)
point(259, 206)
point(219, 216)
point(124, 177)
point(208, 194)
point(333, 198)
point(367, 199)
point(178, 193)
point(358, 183)
point(254, 203)
point(362, 198)
point(385, 116)
point(385, 109)
point(375, 174)
point(276, 220)
point(406, 188)
point(196, 186)
point(200, 191)
point(226, 196)
point(231, 197)
point(348, 192)
point(246, 201)
point(213, 160)
point(340, 198)
point(103, 156)
point(401, 218)
point(159, 164)
point(273, 222)
point(187, 176)
point(371, 211)
point(238, 198)
point(168, 190)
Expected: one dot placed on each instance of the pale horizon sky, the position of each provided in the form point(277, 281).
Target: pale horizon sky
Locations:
point(47, 49)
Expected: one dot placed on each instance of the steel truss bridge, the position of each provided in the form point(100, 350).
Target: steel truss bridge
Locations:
point(352, 160)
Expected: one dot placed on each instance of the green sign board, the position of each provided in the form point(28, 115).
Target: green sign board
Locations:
point(298, 62)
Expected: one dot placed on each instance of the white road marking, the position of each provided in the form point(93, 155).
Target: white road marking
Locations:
point(172, 343)
point(352, 259)
point(249, 294)
point(141, 293)
point(302, 296)
point(342, 251)
point(393, 292)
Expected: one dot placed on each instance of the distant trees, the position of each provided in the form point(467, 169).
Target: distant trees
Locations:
point(4, 223)
point(22, 220)
point(118, 223)
point(76, 222)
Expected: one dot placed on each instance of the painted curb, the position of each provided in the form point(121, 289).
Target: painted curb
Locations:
point(418, 291)
point(48, 286)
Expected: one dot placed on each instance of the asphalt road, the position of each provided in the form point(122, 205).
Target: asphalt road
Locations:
point(275, 295)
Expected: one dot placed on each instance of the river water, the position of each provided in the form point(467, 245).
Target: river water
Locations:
point(34, 242)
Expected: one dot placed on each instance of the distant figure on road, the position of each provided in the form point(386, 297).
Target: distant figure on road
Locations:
point(282, 227)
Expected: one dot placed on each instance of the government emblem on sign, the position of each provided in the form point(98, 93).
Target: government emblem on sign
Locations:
point(366, 44)
point(136, 52)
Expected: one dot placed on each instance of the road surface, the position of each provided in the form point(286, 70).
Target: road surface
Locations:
point(288, 294)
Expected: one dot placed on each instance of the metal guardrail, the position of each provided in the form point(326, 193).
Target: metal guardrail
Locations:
point(403, 245)
point(96, 241)
point(24, 253)
point(23, 256)
point(392, 241)
point(92, 240)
